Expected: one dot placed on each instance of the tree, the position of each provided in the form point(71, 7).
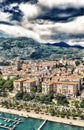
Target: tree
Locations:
point(4, 94)
point(77, 104)
point(82, 116)
point(19, 96)
point(9, 85)
point(52, 111)
point(26, 97)
point(33, 89)
point(82, 104)
point(2, 82)
point(62, 100)
point(77, 63)
point(39, 88)
point(42, 98)
point(50, 96)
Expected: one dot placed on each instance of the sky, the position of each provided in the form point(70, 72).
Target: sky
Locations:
point(47, 21)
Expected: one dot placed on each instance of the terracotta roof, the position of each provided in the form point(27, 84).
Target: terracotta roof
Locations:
point(20, 80)
point(67, 83)
point(29, 80)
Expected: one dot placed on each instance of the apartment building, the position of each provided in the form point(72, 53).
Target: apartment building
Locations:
point(24, 85)
point(65, 88)
point(47, 87)
point(70, 89)
point(28, 85)
point(18, 85)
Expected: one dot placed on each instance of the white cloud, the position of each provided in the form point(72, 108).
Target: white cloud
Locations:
point(37, 30)
point(30, 11)
point(1, 1)
point(18, 31)
point(75, 42)
point(4, 16)
point(62, 3)
point(42, 30)
point(74, 27)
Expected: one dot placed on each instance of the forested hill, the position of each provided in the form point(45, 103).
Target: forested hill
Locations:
point(27, 48)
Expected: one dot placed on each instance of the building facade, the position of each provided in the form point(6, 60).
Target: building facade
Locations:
point(24, 85)
point(70, 89)
point(28, 85)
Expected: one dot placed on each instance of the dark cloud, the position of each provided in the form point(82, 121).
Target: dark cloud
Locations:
point(5, 2)
point(16, 13)
point(56, 22)
point(7, 23)
point(60, 14)
point(55, 14)
point(63, 36)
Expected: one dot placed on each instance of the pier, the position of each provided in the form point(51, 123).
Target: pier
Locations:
point(6, 127)
point(8, 119)
point(40, 127)
point(9, 127)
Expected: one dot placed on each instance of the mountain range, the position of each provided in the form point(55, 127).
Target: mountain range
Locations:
point(66, 45)
point(27, 48)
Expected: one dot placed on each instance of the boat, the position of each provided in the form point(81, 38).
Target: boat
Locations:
point(19, 119)
point(5, 119)
point(14, 126)
point(17, 123)
point(10, 125)
point(8, 120)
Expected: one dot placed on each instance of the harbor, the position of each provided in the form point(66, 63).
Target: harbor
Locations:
point(6, 127)
point(21, 120)
point(8, 119)
point(9, 123)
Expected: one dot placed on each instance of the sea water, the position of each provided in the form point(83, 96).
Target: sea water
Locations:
point(33, 124)
point(26, 124)
point(58, 126)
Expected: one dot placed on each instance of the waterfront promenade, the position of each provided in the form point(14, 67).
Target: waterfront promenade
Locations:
point(44, 117)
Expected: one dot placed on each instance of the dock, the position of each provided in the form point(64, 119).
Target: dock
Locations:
point(6, 127)
point(17, 121)
point(14, 120)
point(40, 127)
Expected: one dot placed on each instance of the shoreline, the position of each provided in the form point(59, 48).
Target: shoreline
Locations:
point(79, 123)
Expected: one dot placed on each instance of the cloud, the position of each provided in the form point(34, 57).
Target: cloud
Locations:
point(2, 34)
point(18, 31)
point(4, 16)
point(61, 3)
point(18, 1)
point(61, 15)
point(44, 21)
point(29, 11)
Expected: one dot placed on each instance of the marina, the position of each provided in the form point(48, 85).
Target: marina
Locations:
point(8, 121)
point(15, 122)
point(6, 127)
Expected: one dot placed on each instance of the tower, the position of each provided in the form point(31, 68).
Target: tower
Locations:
point(18, 64)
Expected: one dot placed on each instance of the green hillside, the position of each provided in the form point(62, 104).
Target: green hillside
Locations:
point(27, 48)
